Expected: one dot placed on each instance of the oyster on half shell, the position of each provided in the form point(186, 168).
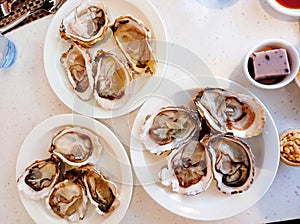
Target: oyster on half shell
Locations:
point(169, 127)
point(78, 66)
point(68, 200)
point(227, 111)
point(86, 24)
point(189, 169)
point(76, 146)
point(102, 192)
point(133, 39)
point(112, 78)
point(39, 177)
point(232, 163)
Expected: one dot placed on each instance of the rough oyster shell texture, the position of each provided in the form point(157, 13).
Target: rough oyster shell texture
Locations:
point(76, 146)
point(68, 200)
point(78, 66)
point(86, 24)
point(133, 38)
point(39, 177)
point(227, 111)
point(101, 192)
point(168, 128)
point(189, 169)
point(215, 150)
point(66, 179)
point(112, 78)
point(232, 163)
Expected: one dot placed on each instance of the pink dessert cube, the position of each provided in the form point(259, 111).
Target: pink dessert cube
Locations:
point(270, 64)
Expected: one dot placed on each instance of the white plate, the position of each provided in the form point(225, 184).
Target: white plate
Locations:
point(211, 204)
point(284, 10)
point(114, 163)
point(54, 47)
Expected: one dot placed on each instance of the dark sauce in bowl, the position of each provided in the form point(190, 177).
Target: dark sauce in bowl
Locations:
point(292, 4)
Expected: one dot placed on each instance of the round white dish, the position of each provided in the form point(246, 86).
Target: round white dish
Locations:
point(211, 204)
point(114, 163)
point(284, 10)
point(293, 58)
point(54, 47)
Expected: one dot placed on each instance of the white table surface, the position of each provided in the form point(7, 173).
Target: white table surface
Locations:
point(219, 33)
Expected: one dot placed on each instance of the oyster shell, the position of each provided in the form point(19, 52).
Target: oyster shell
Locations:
point(227, 111)
point(39, 177)
point(169, 127)
point(133, 38)
point(189, 169)
point(101, 192)
point(68, 200)
point(86, 24)
point(232, 163)
point(112, 79)
point(76, 146)
point(78, 66)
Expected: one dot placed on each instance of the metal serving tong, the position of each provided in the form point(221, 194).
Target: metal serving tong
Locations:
point(49, 6)
point(5, 7)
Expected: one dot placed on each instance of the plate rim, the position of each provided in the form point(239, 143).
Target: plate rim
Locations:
point(68, 99)
point(81, 120)
point(152, 188)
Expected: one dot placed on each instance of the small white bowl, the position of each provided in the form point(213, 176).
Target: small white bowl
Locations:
point(284, 10)
point(293, 58)
point(285, 152)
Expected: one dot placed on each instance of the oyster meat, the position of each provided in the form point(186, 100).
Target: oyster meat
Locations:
point(68, 181)
point(189, 169)
point(86, 24)
point(68, 200)
point(232, 163)
point(78, 66)
point(101, 192)
point(133, 39)
point(39, 177)
point(227, 111)
point(112, 78)
point(169, 127)
point(76, 146)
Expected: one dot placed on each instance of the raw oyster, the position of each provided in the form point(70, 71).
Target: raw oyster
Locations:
point(189, 169)
point(133, 38)
point(68, 200)
point(227, 111)
point(76, 146)
point(232, 163)
point(111, 81)
point(101, 192)
point(78, 66)
point(38, 178)
point(86, 24)
point(169, 127)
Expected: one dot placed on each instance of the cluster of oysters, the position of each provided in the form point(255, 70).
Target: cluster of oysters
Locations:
point(205, 143)
point(68, 179)
point(107, 76)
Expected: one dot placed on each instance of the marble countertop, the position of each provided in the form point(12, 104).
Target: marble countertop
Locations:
point(219, 34)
